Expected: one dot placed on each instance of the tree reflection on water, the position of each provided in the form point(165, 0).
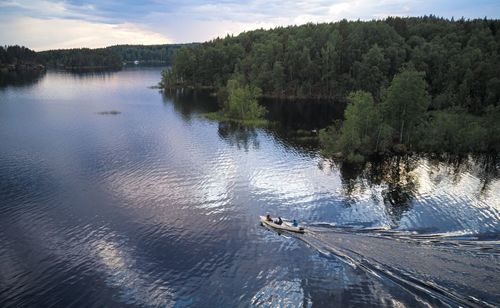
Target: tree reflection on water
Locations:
point(398, 179)
point(243, 137)
point(484, 167)
point(20, 79)
point(189, 103)
point(401, 184)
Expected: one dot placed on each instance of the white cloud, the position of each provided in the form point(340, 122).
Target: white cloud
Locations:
point(56, 23)
point(205, 21)
point(45, 9)
point(43, 34)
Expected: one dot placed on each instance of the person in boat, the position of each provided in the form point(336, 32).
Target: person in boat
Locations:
point(268, 218)
point(295, 223)
point(278, 221)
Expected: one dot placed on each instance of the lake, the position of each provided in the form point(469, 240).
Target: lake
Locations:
point(116, 194)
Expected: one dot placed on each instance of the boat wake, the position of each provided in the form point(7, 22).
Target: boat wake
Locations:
point(451, 269)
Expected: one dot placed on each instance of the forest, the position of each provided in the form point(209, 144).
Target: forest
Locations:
point(16, 54)
point(148, 54)
point(111, 57)
point(18, 63)
point(81, 58)
point(454, 62)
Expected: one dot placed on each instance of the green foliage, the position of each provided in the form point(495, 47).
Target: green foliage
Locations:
point(19, 63)
point(459, 58)
point(149, 54)
point(371, 72)
point(168, 78)
point(362, 132)
point(81, 58)
point(405, 103)
point(206, 65)
point(17, 54)
point(110, 57)
point(368, 128)
point(456, 131)
point(241, 102)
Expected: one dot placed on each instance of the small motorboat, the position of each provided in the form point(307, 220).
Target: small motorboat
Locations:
point(285, 226)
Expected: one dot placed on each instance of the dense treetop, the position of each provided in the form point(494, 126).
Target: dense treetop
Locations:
point(163, 54)
point(16, 54)
point(81, 58)
point(458, 57)
point(240, 101)
point(110, 57)
point(401, 121)
point(419, 83)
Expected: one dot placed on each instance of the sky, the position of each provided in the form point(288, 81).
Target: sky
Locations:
point(53, 24)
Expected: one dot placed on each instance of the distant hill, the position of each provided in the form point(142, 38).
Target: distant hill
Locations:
point(81, 59)
point(148, 54)
point(111, 57)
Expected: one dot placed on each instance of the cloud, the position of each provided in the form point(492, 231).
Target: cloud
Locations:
point(207, 20)
point(197, 20)
point(43, 34)
point(204, 20)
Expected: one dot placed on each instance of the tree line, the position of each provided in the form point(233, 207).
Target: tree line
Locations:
point(455, 62)
point(460, 59)
point(154, 54)
point(17, 54)
point(81, 58)
point(111, 57)
point(19, 64)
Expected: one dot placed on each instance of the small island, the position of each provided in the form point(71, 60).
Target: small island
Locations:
point(109, 112)
point(240, 104)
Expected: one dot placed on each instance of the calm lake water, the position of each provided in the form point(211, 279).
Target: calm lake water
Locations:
point(157, 206)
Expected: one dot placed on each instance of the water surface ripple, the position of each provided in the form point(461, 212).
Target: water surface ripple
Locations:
point(157, 206)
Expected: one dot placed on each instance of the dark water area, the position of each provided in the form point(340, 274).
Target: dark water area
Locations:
point(21, 78)
point(154, 205)
point(304, 114)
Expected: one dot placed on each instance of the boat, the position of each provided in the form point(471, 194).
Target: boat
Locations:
point(285, 226)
